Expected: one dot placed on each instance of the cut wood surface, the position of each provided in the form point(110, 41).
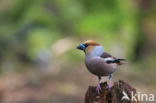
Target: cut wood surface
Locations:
point(110, 96)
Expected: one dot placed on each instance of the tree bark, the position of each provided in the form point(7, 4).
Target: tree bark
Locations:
point(110, 96)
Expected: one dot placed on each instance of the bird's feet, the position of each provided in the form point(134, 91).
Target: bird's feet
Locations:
point(109, 87)
point(98, 88)
point(109, 84)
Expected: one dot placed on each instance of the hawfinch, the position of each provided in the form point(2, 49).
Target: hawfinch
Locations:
point(98, 62)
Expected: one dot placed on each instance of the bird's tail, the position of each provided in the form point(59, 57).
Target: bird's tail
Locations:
point(120, 61)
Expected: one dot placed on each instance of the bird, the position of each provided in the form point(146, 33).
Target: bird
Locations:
point(99, 62)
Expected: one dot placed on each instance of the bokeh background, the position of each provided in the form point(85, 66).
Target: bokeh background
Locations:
point(39, 62)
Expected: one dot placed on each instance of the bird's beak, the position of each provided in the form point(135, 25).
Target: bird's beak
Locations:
point(81, 47)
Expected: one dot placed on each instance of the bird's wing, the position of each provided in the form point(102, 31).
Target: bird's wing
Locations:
point(110, 59)
point(106, 55)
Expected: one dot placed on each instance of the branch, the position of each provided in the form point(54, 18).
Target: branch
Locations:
point(113, 96)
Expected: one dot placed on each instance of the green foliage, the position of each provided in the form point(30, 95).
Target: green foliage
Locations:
point(36, 24)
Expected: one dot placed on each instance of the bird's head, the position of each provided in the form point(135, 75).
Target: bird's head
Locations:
point(88, 46)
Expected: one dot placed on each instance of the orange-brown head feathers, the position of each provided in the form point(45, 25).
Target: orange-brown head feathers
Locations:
point(91, 43)
point(88, 46)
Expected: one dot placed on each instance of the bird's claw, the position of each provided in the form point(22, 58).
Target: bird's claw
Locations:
point(108, 87)
point(98, 88)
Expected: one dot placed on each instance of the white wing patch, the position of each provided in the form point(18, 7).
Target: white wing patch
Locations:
point(109, 59)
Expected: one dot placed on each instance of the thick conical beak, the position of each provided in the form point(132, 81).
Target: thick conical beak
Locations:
point(81, 47)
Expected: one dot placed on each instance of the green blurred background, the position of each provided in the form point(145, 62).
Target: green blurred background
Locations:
point(39, 62)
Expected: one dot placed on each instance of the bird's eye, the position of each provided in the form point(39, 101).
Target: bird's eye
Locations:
point(86, 45)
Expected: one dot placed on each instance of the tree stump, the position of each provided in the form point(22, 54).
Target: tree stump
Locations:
point(114, 95)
